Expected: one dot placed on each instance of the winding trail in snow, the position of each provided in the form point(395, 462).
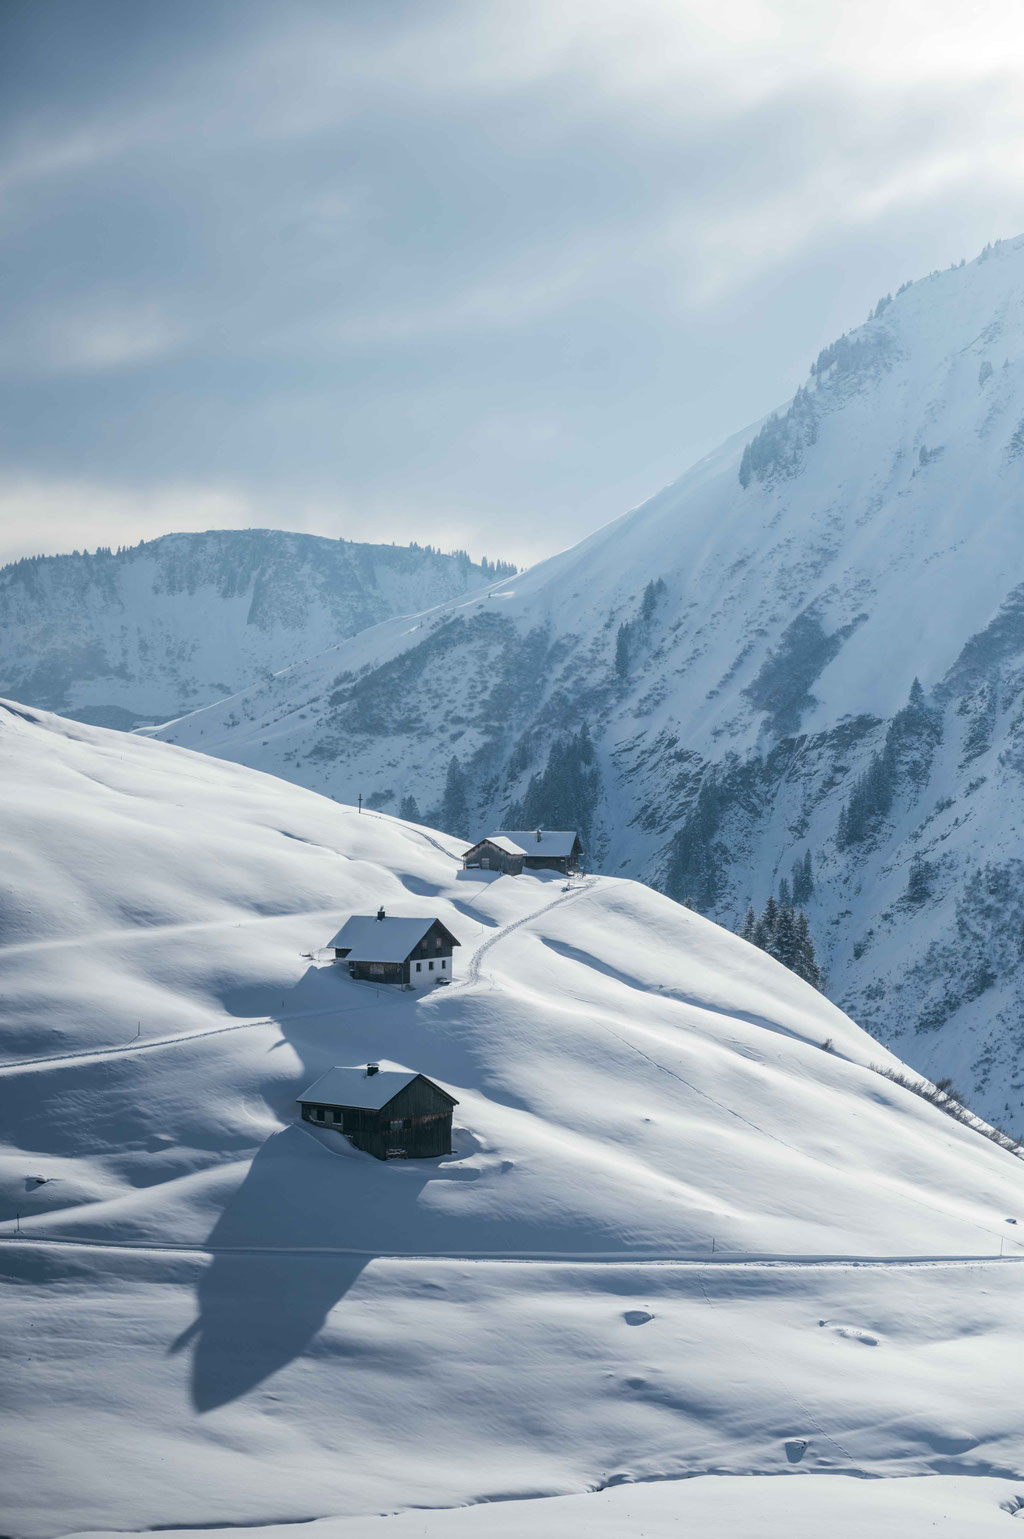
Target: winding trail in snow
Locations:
point(473, 966)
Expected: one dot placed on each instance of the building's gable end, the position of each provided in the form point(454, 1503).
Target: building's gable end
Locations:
point(419, 1094)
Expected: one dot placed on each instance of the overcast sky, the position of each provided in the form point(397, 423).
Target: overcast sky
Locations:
point(481, 274)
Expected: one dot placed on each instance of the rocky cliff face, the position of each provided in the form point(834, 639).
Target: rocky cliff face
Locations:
point(813, 642)
point(160, 628)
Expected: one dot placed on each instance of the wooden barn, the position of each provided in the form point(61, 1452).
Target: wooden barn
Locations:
point(390, 1113)
point(495, 853)
point(534, 849)
point(413, 953)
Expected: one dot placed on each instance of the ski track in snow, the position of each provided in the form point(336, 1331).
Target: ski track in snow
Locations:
point(621, 1259)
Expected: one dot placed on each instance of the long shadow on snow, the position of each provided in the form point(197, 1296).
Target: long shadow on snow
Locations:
point(257, 1312)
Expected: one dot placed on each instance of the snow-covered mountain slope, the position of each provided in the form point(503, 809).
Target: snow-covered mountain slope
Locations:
point(645, 1258)
point(743, 650)
point(144, 633)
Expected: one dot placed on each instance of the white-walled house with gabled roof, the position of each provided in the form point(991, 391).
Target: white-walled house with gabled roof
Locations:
point(413, 952)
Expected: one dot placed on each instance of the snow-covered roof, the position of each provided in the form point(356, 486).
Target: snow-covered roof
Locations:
point(500, 842)
point(355, 1087)
point(369, 939)
point(544, 841)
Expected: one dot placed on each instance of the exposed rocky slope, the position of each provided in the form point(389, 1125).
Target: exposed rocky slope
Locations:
point(144, 633)
point(743, 652)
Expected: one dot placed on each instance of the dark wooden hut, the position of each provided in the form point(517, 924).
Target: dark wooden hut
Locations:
point(495, 853)
point(390, 1113)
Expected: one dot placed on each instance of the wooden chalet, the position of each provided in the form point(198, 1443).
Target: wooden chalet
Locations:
point(381, 949)
point(495, 853)
point(389, 1113)
point(536, 849)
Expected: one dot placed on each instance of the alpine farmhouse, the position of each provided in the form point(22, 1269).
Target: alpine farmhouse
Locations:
point(513, 851)
point(412, 953)
point(389, 1113)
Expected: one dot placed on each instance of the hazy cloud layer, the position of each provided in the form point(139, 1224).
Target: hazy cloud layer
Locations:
point(480, 273)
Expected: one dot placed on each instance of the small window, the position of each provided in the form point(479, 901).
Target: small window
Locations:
point(438, 943)
point(419, 967)
point(396, 1126)
point(443, 963)
point(335, 1116)
point(319, 1114)
point(431, 966)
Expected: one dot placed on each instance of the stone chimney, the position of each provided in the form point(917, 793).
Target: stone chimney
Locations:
point(372, 1069)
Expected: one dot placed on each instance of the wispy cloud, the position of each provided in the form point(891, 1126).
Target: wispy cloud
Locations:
point(495, 267)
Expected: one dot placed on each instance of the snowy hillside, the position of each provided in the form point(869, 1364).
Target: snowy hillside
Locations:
point(686, 1227)
point(743, 650)
point(158, 628)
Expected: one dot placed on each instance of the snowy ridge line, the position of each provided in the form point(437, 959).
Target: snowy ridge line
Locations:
point(511, 1257)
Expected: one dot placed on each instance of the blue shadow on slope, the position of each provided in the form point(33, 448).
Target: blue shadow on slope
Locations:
point(258, 1310)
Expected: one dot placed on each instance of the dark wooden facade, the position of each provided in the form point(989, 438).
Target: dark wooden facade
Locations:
point(569, 865)
point(416, 1124)
point(486, 856)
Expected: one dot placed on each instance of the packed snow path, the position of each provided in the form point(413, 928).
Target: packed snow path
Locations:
point(626, 1261)
point(473, 967)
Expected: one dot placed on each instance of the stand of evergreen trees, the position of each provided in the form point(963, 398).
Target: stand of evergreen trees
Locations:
point(782, 930)
point(632, 632)
point(564, 794)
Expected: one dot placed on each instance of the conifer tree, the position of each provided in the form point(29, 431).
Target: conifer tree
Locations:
point(785, 947)
point(409, 811)
point(749, 928)
point(785, 896)
point(622, 651)
point(455, 802)
point(806, 963)
point(802, 880)
point(919, 885)
point(764, 936)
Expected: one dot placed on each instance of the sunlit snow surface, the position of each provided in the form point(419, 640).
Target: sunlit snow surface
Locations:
point(643, 1259)
point(712, 1507)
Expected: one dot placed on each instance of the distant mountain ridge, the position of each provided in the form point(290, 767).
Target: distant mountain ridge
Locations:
point(812, 642)
point(154, 630)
